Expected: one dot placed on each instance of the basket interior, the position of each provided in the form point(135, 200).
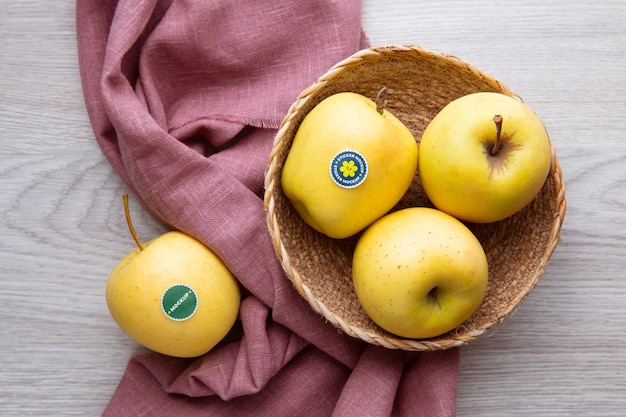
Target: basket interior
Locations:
point(419, 84)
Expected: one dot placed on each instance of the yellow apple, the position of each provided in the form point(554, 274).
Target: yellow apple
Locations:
point(350, 162)
point(173, 295)
point(484, 157)
point(419, 272)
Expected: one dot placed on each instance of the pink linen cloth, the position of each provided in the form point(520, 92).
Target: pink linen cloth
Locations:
point(185, 98)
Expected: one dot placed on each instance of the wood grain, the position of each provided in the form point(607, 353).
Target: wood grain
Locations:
point(62, 227)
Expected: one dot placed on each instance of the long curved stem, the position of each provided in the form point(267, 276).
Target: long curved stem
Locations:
point(130, 223)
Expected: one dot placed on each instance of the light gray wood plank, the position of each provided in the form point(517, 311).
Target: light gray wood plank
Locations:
point(62, 227)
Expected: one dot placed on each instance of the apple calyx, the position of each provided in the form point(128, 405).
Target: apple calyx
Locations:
point(381, 100)
point(433, 296)
point(497, 119)
point(130, 223)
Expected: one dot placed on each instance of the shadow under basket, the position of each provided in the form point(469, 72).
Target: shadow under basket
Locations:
point(419, 84)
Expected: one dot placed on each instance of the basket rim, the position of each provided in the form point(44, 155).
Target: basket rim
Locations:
point(457, 338)
point(389, 50)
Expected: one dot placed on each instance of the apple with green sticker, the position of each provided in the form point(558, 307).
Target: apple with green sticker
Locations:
point(173, 294)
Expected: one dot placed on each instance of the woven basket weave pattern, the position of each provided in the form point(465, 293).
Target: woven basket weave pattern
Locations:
point(419, 84)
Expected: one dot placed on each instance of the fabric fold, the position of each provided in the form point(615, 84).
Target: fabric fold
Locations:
point(184, 98)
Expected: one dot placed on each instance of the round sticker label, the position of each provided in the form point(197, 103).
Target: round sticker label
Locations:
point(179, 302)
point(348, 169)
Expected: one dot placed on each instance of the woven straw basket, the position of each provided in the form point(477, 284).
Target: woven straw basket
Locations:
point(419, 83)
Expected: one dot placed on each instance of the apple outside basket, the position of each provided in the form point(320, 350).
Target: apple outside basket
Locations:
point(419, 84)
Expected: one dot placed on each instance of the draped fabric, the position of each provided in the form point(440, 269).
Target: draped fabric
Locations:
point(185, 98)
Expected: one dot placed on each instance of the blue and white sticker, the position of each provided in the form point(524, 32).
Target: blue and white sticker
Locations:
point(348, 169)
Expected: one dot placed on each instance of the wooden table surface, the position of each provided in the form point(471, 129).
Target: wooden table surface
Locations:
point(563, 353)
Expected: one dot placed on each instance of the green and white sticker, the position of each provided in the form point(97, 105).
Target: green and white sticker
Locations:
point(179, 302)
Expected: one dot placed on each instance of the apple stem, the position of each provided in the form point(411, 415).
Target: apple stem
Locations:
point(130, 223)
point(497, 119)
point(381, 100)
